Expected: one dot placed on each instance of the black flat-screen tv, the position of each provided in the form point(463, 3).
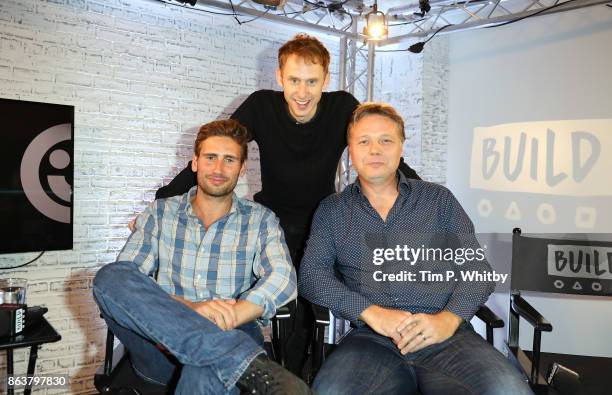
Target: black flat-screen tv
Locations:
point(36, 176)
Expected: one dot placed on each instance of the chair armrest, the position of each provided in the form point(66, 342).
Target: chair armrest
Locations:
point(281, 326)
point(530, 314)
point(487, 316)
point(321, 315)
point(283, 312)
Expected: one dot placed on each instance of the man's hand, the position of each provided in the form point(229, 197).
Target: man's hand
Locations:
point(219, 311)
point(132, 224)
point(421, 330)
point(385, 321)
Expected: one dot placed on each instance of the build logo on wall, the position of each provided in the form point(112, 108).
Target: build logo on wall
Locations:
point(36, 176)
point(552, 173)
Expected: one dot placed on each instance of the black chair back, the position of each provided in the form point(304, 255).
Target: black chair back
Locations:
point(568, 266)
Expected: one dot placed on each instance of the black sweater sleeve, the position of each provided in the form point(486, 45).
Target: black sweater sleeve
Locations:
point(246, 114)
point(179, 184)
point(407, 170)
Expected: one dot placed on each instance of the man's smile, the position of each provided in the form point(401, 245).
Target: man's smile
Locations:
point(217, 180)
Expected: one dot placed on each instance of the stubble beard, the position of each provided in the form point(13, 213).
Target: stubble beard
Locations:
point(218, 191)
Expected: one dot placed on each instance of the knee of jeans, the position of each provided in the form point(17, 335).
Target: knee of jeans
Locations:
point(337, 375)
point(102, 282)
point(108, 276)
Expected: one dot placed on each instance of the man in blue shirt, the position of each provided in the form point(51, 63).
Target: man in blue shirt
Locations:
point(413, 329)
point(220, 263)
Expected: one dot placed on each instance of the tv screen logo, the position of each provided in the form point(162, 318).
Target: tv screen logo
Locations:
point(59, 159)
point(36, 176)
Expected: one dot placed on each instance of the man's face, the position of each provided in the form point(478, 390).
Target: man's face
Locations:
point(218, 166)
point(303, 84)
point(375, 147)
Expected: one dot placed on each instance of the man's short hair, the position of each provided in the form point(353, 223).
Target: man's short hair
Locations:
point(224, 128)
point(306, 47)
point(373, 108)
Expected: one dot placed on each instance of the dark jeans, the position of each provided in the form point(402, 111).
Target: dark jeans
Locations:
point(141, 315)
point(368, 363)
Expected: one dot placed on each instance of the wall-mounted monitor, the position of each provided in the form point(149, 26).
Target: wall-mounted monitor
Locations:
point(36, 176)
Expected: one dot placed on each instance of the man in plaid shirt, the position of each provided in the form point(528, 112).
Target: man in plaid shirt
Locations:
point(220, 263)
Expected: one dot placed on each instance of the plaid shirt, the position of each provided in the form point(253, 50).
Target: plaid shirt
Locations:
point(240, 256)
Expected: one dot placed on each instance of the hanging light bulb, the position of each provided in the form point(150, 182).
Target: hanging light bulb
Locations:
point(376, 25)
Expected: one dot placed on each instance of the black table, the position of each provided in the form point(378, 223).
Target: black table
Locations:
point(39, 333)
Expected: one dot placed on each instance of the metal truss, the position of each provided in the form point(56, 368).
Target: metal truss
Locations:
point(466, 14)
point(407, 22)
point(313, 15)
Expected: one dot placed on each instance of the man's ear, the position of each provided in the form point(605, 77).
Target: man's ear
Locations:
point(243, 168)
point(279, 77)
point(194, 163)
point(326, 82)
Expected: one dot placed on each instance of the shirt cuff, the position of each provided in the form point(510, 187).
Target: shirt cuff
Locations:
point(352, 307)
point(259, 298)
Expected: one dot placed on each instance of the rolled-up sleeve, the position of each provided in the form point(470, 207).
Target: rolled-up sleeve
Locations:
point(318, 281)
point(276, 283)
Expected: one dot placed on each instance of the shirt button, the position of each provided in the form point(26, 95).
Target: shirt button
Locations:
point(198, 276)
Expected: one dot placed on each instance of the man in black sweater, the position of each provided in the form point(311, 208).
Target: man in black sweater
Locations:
point(301, 133)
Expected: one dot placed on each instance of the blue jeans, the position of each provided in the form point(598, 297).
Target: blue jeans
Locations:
point(141, 315)
point(368, 363)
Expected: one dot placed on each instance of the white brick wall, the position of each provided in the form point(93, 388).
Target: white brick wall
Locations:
point(142, 76)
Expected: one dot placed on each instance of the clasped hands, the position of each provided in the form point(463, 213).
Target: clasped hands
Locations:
point(411, 332)
point(220, 311)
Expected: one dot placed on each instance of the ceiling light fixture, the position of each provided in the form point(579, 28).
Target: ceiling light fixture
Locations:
point(376, 25)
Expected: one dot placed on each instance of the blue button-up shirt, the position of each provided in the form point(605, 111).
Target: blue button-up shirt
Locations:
point(240, 256)
point(338, 272)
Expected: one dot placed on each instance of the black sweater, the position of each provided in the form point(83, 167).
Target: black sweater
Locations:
point(298, 160)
